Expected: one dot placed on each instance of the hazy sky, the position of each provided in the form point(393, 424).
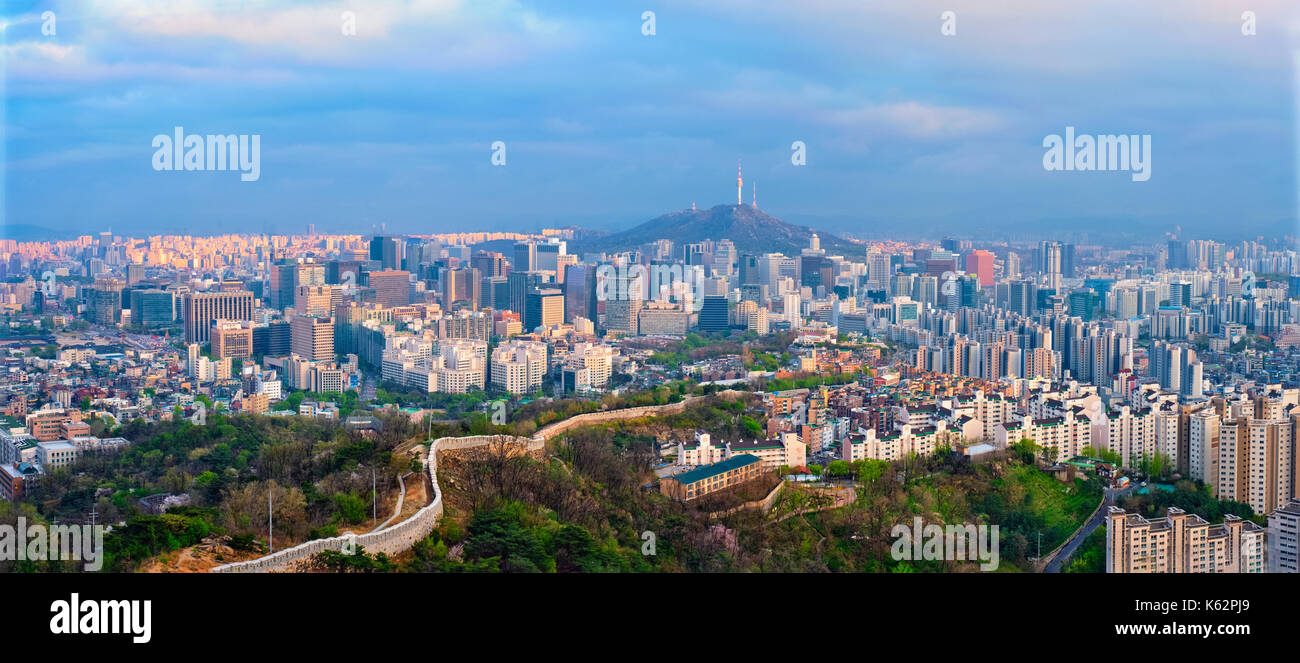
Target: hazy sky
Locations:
point(906, 129)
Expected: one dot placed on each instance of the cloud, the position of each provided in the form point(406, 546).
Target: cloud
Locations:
point(418, 34)
point(918, 120)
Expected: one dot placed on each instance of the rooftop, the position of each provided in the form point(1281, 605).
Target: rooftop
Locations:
point(706, 471)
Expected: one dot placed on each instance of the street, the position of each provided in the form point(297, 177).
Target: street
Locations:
point(1083, 533)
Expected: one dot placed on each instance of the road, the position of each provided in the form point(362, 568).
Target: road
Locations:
point(1084, 532)
point(367, 388)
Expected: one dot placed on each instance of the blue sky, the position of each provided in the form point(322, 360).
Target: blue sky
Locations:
point(907, 130)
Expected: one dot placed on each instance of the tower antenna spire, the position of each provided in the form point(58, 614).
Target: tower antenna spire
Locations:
point(754, 192)
point(740, 185)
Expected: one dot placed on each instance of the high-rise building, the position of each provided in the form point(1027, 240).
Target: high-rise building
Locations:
point(134, 273)
point(713, 313)
point(1049, 254)
point(272, 339)
point(544, 307)
point(489, 263)
point(494, 292)
point(280, 295)
point(547, 256)
point(392, 287)
point(105, 299)
point(1023, 297)
point(199, 309)
point(878, 270)
point(1180, 293)
point(1182, 543)
point(519, 367)
point(387, 251)
point(579, 292)
point(520, 284)
point(312, 337)
point(343, 272)
point(152, 308)
point(232, 338)
point(525, 259)
point(461, 285)
point(1284, 538)
point(980, 263)
point(314, 300)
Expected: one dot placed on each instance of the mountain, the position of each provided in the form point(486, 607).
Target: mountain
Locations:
point(752, 230)
point(24, 232)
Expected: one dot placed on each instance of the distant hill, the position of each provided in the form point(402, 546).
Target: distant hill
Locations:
point(752, 230)
point(23, 232)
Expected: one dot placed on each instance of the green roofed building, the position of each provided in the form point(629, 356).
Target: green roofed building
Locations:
point(708, 479)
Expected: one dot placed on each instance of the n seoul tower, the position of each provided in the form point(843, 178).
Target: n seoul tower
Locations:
point(740, 185)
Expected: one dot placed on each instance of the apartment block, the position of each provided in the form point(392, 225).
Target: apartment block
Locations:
point(1284, 538)
point(519, 367)
point(1182, 543)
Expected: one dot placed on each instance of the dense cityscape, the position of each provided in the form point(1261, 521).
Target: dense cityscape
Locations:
point(1172, 365)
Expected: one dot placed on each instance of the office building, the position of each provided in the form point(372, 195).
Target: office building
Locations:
point(312, 338)
point(232, 338)
point(201, 308)
point(392, 287)
point(544, 307)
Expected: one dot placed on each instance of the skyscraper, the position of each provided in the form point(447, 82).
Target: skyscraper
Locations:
point(105, 300)
point(387, 251)
point(980, 263)
point(152, 308)
point(520, 283)
point(713, 313)
point(199, 309)
point(580, 292)
point(461, 285)
point(1023, 297)
point(489, 264)
point(547, 256)
point(312, 337)
point(525, 257)
point(544, 307)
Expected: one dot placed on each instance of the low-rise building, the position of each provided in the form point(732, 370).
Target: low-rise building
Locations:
point(701, 481)
point(18, 480)
point(57, 453)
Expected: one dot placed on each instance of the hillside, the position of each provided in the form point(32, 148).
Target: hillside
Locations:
point(752, 230)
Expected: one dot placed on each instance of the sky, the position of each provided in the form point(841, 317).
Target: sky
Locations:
point(907, 130)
